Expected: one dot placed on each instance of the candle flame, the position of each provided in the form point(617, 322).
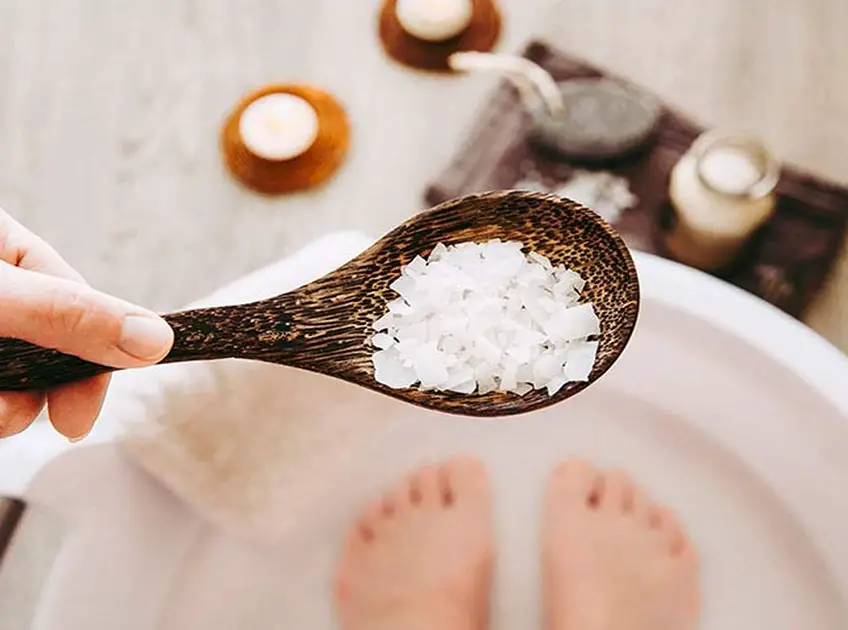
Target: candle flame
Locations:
point(278, 125)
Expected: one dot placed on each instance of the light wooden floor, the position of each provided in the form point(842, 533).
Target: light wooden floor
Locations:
point(109, 113)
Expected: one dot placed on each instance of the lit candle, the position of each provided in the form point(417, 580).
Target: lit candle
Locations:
point(434, 20)
point(278, 126)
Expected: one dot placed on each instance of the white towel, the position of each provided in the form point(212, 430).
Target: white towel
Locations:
point(251, 446)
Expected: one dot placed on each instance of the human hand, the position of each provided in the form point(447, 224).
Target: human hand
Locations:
point(45, 302)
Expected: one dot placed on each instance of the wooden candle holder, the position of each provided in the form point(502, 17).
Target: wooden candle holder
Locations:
point(311, 168)
point(481, 35)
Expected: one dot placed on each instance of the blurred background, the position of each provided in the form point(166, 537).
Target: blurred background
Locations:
point(110, 114)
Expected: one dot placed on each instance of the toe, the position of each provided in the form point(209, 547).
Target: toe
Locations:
point(575, 481)
point(358, 536)
point(341, 584)
point(402, 496)
point(671, 530)
point(653, 515)
point(389, 504)
point(688, 554)
point(617, 492)
point(464, 480)
point(425, 486)
point(641, 505)
point(371, 521)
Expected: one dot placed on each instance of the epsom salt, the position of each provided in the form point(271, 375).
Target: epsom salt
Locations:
point(483, 317)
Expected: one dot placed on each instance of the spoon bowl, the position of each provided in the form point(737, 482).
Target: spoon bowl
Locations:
point(326, 326)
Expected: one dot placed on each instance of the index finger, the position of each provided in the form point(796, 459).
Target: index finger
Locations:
point(21, 248)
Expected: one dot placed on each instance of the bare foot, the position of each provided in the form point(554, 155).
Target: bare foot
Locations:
point(612, 560)
point(421, 559)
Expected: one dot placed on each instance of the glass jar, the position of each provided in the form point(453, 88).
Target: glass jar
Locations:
point(721, 191)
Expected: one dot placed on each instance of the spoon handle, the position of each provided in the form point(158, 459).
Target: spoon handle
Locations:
point(242, 331)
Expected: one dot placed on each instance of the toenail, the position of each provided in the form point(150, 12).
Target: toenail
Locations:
point(597, 492)
point(415, 494)
point(654, 518)
point(366, 532)
point(449, 498)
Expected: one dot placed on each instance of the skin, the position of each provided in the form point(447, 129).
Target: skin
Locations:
point(612, 558)
point(43, 300)
point(421, 558)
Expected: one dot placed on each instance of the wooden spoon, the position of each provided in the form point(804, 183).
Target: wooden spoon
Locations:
point(325, 326)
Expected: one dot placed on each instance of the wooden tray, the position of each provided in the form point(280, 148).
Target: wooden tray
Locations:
point(785, 263)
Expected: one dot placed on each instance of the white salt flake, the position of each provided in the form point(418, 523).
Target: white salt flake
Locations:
point(522, 389)
point(484, 317)
point(407, 348)
point(382, 341)
point(518, 352)
point(413, 332)
point(542, 260)
point(555, 384)
point(405, 287)
point(509, 378)
point(415, 268)
point(467, 387)
point(400, 307)
point(389, 370)
point(607, 194)
point(431, 372)
point(580, 360)
point(385, 322)
point(486, 385)
point(524, 374)
point(486, 350)
point(577, 322)
point(459, 374)
point(545, 368)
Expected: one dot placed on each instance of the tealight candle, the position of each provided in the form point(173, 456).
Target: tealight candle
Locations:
point(278, 126)
point(284, 138)
point(434, 20)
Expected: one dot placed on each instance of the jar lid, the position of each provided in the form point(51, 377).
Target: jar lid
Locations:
point(735, 164)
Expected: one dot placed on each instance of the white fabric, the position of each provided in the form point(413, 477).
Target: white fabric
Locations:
point(22, 456)
point(250, 446)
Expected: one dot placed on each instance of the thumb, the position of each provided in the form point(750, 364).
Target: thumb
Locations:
point(75, 319)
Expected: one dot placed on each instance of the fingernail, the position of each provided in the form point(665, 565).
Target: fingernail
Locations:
point(78, 438)
point(145, 338)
